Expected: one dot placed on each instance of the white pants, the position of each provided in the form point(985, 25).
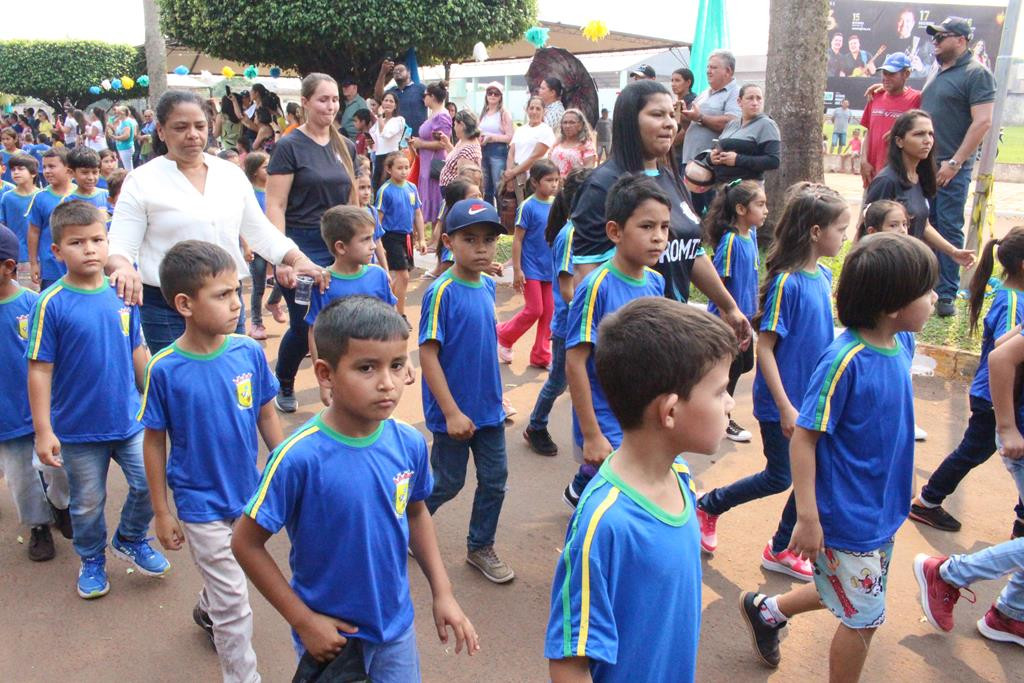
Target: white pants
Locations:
point(126, 158)
point(225, 597)
point(58, 490)
point(23, 481)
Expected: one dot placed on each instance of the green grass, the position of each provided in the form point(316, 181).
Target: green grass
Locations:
point(1011, 149)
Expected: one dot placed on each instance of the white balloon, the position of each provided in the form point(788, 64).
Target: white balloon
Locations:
point(205, 74)
point(480, 52)
point(105, 84)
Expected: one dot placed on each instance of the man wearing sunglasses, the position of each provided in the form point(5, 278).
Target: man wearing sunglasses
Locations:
point(959, 96)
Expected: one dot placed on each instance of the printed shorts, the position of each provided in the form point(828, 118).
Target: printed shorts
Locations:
point(852, 584)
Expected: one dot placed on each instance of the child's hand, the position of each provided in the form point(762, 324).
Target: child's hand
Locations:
point(421, 246)
point(248, 255)
point(596, 450)
point(448, 613)
point(495, 269)
point(807, 540)
point(168, 531)
point(321, 636)
point(518, 281)
point(47, 447)
point(460, 427)
point(34, 272)
point(1011, 443)
point(325, 396)
point(965, 257)
point(787, 420)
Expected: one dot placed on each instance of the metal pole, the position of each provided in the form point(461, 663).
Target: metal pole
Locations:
point(984, 183)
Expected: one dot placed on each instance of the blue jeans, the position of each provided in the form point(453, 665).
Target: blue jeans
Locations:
point(161, 325)
point(838, 140)
point(87, 465)
point(495, 158)
point(258, 271)
point(995, 561)
point(553, 387)
point(448, 459)
point(947, 215)
point(775, 478)
point(397, 661)
point(295, 342)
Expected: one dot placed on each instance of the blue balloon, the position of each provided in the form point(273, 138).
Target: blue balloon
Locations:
point(275, 72)
point(94, 90)
point(116, 84)
point(181, 70)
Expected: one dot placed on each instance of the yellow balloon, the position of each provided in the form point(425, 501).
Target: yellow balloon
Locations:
point(128, 82)
point(595, 30)
point(228, 72)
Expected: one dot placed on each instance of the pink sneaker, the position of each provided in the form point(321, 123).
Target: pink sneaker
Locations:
point(277, 310)
point(708, 534)
point(786, 563)
point(504, 354)
point(937, 596)
point(997, 626)
point(258, 332)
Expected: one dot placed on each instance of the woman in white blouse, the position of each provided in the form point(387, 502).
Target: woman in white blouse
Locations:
point(387, 134)
point(529, 143)
point(188, 194)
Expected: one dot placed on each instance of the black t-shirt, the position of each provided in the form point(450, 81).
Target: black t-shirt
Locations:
point(590, 240)
point(319, 179)
point(887, 185)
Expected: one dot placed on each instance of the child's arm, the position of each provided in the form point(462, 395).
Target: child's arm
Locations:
point(417, 231)
point(270, 426)
point(40, 380)
point(595, 446)
point(319, 633)
point(140, 357)
point(766, 342)
point(706, 278)
point(460, 427)
point(1003, 363)
point(565, 287)
point(382, 258)
point(1009, 335)
point(33, 251)
point(518, 279)
point(570, 670)
point(154, 454)
point(246, 251)
point(808, 539)
point(423, 543)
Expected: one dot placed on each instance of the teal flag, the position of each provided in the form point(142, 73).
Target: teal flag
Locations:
point(710, 34)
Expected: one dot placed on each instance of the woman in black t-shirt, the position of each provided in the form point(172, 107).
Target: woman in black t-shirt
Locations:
point(310, 171)
point(643, 129)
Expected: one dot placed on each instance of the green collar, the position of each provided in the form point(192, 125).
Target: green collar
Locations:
point(12, 297)
point(204, 356)
point(475, 285)
point(357, 442)
point(350, 276)
point(880, 349)
point(79, 290)
point(658, 513)
point(636, 282)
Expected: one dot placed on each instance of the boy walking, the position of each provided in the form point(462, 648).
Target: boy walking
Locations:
point(633, 544)
point(14, 206)
point(44, 266)
point(86, 362)
point(211, 392)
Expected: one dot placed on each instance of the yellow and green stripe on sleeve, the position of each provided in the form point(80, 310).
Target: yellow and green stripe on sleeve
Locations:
point(35, 335)
point(823, 409)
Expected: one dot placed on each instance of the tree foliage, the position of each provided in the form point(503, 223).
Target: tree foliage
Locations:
point(343, 36)
point(52, 70)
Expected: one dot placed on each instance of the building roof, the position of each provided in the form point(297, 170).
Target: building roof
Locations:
point(571, 38)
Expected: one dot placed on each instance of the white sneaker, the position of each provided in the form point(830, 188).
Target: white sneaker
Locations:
point(736, 433)
point(919, 434)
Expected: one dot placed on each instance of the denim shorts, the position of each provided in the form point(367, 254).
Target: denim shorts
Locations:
point(852, 584)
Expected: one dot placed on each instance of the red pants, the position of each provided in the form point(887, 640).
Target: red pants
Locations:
point(538, 309)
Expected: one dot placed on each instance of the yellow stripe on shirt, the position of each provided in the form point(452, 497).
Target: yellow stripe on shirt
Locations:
point(37, 338)
point(777, 308)
point(261, 493)
point(435, 310)
point(587, 333)
point(595, 519)
point(163, 353)
point(822, 424)
point(1011, 311)
point(728, 253)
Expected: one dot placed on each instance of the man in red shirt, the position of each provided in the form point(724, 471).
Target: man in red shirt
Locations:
point(883, 109)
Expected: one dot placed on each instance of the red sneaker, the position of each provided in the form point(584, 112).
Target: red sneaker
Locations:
point(997, 626)
point(708, 534)
point(938, 597)
point(787, 563)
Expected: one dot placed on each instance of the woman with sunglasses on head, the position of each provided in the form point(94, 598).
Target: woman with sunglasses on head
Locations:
point(496, 131)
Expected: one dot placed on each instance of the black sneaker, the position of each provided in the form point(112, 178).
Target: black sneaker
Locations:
point(945, 308)
point(40, 545)
point(764, 637)
point(286, 401)
point(736, 433)
point(540, 441)
point(570, 497)
point(1018, 529)
point(62, 520)
point(204, 622)
point(936, 517)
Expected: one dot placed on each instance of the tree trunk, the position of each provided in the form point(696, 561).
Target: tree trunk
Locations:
point(156, 52)
point(794, 92)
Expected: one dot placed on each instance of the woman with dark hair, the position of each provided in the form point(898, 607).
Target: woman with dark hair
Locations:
point(95, 134)
point(429, 146)
point(467, 148)
point(386, 132)
point(183, 194)
point(496, 128)
point(909, 178)
point(227, 126)
point(750, 144)
point(530, 142)
point(550, 92)
point(682, 86)
point(643, 128)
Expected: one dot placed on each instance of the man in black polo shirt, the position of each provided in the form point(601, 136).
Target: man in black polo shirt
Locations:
point(408, 94)
point(959, 96)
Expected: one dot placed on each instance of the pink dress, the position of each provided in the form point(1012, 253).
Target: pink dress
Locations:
point(568, 158)
point(430, 188)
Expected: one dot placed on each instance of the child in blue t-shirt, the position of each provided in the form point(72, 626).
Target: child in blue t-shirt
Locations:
point(979, 441)
point(632, 546)
point(84, 165)
point(558, 234)
point(45, 267)
point(108, 164)
point(349, 486)
point(853, 452)
point(638, 223)
point(364, 192)
point(730, 225)
point(210, 392)
point(15, 417)
point(462, 382)
point(348, 233)
point(401, 215)
point(84, 411)
point(796, 327)
point(531, 269)
point(14, 206)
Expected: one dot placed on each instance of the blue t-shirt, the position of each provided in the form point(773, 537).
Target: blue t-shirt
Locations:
point(14, 214)
point(459, 315)
point(370, 280)
point(535, 257)
point(604, 290)
point(378, 229)
point(6, 156)
point(561, 262)
point(89, 336)
point(261, 198)
point(1006, 312)
point(15, 414)
point(861, 398)
point(99, 198)
point(209, 404)
point(799, 310)
point(102, 183)
point(397, 205)
point(343, 501)
point(40, 209)
point(5, 187)
point(624, 557)
point(737, 262)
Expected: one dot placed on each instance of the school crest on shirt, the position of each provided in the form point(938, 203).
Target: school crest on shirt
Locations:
point(23, 326)
point(402, 491)
point(126, 319)
point(243, 390)
point(412, 199)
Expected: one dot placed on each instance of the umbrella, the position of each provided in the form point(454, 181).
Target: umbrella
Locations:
point(710, 35)
point(580, 91)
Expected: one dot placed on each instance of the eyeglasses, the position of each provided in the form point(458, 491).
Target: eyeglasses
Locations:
point(939, 37)
point(493, 92)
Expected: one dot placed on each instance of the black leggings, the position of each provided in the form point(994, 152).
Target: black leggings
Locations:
point(742, 364)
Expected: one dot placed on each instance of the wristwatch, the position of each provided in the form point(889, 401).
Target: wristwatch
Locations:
point(953, 163)
point(700, 119)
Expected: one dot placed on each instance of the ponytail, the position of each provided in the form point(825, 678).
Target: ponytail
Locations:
point(721, 215)
point(1011, 257)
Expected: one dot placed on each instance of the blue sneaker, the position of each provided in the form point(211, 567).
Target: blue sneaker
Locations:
point(92, 578)
point(140, 553)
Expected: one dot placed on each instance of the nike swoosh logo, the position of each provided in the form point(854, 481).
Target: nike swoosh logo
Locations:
point(473, 212)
